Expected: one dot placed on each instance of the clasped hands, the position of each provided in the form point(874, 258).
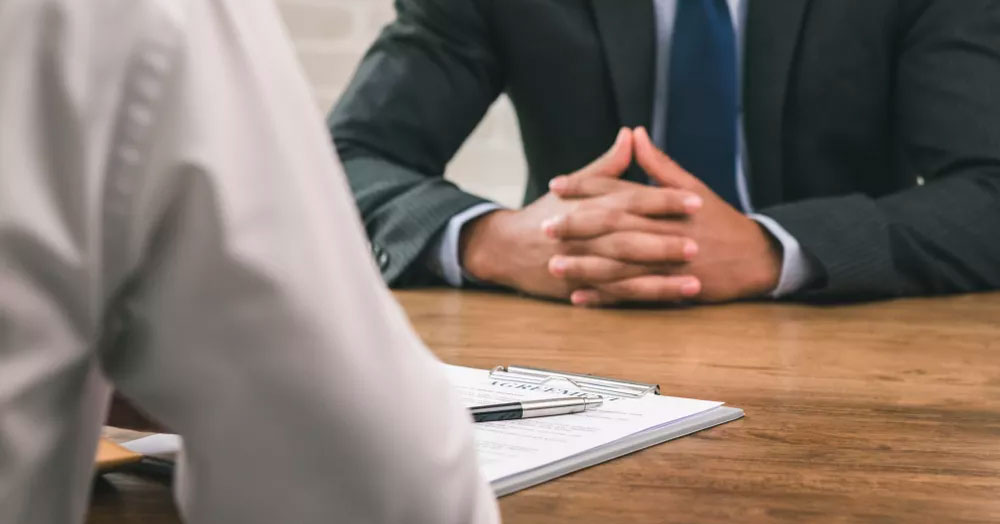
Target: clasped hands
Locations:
point(598, 240)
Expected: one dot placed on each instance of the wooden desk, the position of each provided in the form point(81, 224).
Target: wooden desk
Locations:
point(884, 412)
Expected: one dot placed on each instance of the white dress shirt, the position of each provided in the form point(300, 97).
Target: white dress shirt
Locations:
point(173, 223)
point(796, 270)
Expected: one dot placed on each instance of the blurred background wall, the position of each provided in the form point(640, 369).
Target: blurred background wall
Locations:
point(332, 35)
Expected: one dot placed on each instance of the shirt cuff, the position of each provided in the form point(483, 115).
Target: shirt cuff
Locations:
point(797, 270)
point(443, 253)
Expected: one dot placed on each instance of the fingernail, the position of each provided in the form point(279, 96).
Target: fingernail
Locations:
point(557, 184)
point(557, 266)
point(550, 225)
point(690, 249)
point(693, 203)
point(581, 298)
point(691, 288)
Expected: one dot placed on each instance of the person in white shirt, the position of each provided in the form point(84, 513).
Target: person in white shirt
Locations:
point(173, 223)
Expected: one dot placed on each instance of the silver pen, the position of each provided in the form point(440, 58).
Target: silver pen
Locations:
point(533, 408)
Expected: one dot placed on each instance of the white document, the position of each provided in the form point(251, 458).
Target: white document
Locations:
point(516, 454)
point(513, 447)
point(163, 446)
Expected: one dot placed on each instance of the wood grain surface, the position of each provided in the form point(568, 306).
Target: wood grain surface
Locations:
point(883, 412)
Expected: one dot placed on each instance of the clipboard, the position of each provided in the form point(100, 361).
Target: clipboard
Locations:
point(605, 386)
point(656, 432)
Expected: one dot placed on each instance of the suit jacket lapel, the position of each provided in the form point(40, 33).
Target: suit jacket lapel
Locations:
point(774, 28)
point(627, 29)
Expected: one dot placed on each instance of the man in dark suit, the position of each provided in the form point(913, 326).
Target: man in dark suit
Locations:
point(813, 149)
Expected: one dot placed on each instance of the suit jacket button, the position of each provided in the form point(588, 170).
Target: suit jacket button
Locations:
point(383, 259)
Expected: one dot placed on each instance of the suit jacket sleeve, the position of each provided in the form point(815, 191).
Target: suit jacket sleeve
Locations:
point(417, 95)
point(943, 236)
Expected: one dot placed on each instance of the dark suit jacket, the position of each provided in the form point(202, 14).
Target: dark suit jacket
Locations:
point(849, 105)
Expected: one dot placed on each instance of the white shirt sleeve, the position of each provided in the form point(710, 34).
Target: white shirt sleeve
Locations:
point(443, 257)
point(797, 270)
point(174, 219)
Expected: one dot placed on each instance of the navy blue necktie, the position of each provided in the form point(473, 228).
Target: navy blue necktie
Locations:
point(702, 111)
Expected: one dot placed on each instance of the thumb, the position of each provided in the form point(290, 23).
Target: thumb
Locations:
point(658, 165)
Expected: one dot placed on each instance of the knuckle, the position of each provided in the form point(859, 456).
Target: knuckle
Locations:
point(621, 245)
point(617, 270)
point(636, 289)
point(650, 251)
point(612, 218)
point(614, 245)
point(602, 202)
point(666, 291)
point(668, 248)
point(583, 271)
point(676, 199)
point(625, 288)
point(673, 200)
point(634, 200)
point(589, 185)
point(590, 269)
point(572, 268)
point(595, 271)
point(567, 225)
